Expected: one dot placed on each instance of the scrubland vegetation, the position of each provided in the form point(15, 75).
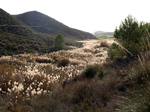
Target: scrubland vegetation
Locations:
point(82, 79)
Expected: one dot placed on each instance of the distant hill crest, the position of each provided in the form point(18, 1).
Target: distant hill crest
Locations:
point(45, 24)
point(34, 32)
point(104, 34)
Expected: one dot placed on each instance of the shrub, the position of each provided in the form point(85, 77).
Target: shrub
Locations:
point(145, 103)
point(143, 71)
point(63, 62)
point(115, 52)
point(104, 44)
point(93, 70)
point(44, 103)
point(101, 73)
point(43, 60)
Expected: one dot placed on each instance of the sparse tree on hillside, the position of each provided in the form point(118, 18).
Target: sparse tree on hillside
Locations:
point(59, 42)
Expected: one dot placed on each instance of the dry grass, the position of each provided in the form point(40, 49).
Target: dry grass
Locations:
point(92, 89)
point(26, 76)
point(86, 95)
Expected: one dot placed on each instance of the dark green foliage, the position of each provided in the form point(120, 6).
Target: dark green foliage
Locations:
point(46, 24)
point(15, 44)
point(101, 73)
point(93, 70)
point(90, 72)
point(115, 52)
point(130, 35)
point(59, 42)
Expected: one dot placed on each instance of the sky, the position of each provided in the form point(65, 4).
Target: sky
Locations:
point(85, 15)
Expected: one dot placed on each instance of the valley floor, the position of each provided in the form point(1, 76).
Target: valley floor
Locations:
point(49, 65)
point(76, 80)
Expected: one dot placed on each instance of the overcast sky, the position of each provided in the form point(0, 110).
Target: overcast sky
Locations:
point(86, 15)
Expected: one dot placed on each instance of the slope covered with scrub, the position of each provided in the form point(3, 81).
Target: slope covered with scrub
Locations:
point(45, 24)
point(16, 37)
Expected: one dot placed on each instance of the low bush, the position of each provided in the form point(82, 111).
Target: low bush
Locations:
point(43, 60)
point(104, 44)
point(93, 70)
point(63, 62)
point(115, 52)
point(101, 73)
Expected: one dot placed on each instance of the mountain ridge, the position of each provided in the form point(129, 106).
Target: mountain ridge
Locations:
point(16, 37)
point(45, 24)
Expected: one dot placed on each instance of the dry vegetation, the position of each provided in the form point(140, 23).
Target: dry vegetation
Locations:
point(25, 76)
point(77, 80)
point(81, 79)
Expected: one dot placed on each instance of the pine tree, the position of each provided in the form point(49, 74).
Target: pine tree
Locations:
point(130, 35)
point(59, 42)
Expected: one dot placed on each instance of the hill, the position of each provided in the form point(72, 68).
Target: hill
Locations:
point(45, 24)
point(16, 37)
point(11, 24)
point(103, 34)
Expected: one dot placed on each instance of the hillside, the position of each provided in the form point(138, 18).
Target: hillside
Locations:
point(11, 24)
point(103, 34)
point(16, 37)
point(45, 24)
